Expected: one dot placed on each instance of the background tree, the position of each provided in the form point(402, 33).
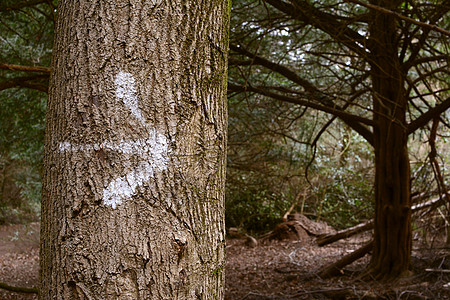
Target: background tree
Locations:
point(135, 143)
point(374, 69)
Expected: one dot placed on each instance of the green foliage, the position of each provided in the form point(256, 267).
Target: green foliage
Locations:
point(347, 200)
point(269, 152)
point(21, 151)
point(26, 37)
point(264, 167)
point(253, 209)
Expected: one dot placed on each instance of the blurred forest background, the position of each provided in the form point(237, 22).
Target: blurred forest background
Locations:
point(280, 155)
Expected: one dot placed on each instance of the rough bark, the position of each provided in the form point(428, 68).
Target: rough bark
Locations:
point(133, 189)
point(392, 230)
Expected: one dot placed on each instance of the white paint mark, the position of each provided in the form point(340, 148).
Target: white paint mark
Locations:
point(125, 187)
point(155, 2)
point(155, 145)
point(66, 146)
point(153, 150)
point(126, 91)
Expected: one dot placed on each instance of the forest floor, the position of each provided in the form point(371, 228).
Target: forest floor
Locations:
point(19, 258)
point(273, 270)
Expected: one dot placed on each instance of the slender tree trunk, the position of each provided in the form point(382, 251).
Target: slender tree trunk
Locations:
point(133, 191)
point(392, 231)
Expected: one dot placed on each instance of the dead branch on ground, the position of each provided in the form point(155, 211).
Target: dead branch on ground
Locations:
point(336, 268)
point(326, 239)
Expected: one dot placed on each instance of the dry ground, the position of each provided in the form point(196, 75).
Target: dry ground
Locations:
point(19, 258)
point(272, 270)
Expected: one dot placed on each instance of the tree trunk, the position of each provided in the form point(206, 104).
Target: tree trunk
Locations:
point(133, 190)
point(392, 231)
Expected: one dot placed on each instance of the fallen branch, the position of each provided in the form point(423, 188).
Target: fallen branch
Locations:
point(336, 268)
point(337, 293)
point(438, 270)
point(17, 289)
point(260, 296)
point(435, 201)
point(326, 239)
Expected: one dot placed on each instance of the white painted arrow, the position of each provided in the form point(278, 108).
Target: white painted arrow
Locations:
point(153, 149)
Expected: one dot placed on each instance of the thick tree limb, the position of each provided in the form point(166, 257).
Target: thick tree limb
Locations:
point(345, 233)
point(434, 18)
point(428, 116)
point(238, 62)
point(38, 69)
point(423, 60)
point(400, 16)
point(17, 289)
point(434, 162)
point(309, 88)
point(331, 110)
point(305, 12)
point(355, 122)
point(28, 85)
point(286, 72)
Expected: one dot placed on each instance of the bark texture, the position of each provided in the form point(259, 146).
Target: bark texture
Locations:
point(392, 230)
point(133, 191)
